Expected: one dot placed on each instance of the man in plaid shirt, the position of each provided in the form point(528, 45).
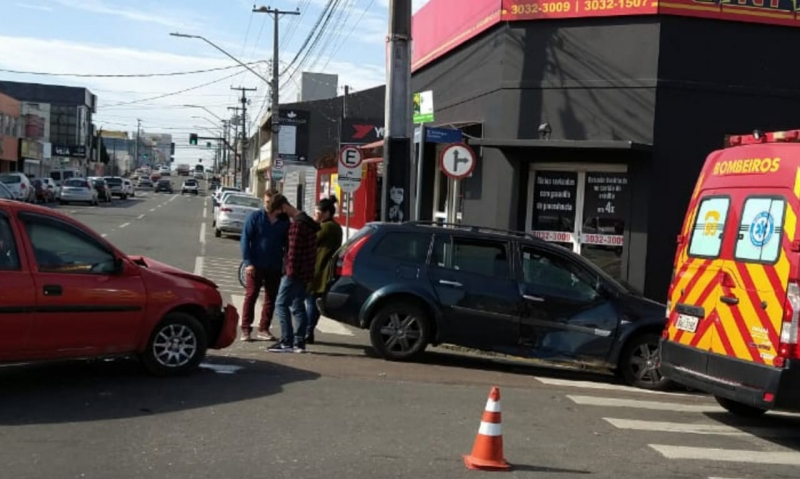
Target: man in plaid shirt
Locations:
point(301, 255)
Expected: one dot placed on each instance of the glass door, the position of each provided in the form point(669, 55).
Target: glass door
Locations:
point(582, 209)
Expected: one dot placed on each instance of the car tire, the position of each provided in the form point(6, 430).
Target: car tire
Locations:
point(217, 233)
point(638, 364)
point(404, 318)
point(177, 346)
point(739, 409)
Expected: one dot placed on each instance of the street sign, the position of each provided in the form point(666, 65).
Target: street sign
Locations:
point(278, 170)
point(350, 169)
point(423, 107)
point(457, 161)
point(439, 135)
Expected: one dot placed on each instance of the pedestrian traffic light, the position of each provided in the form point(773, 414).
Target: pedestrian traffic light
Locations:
point(193, 139)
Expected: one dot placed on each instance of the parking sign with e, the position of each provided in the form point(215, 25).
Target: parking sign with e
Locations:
point(349, 169)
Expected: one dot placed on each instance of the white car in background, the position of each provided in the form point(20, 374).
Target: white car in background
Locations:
point(233, 212)
point(222, 197)
point(78, 190)
point(50, 184)
point(190, 186)
point(20, 186)
point(127, 187)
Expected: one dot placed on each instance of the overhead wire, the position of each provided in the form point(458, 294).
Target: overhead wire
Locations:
point(131, 75)
point(314, 30)
point(178, 92)
point(315, 42)
point(346, 11)
point(352, 30)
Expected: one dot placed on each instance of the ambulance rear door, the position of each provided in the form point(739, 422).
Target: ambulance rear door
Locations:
point(756, 276)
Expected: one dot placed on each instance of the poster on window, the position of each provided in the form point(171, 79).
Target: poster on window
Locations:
point(605, 205)
point(554, 194)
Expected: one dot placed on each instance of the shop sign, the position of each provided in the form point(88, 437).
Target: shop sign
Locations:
point(293, 137)
point(69, 151)
point(30, 149)
point(554, 202)
point(605, 205)
point(423, 107)
point(360, 131)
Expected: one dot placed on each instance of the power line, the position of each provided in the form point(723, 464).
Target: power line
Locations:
point(132, 75)
point(321, 32)
point(341, 44)
point(345, 11)
point(172, 93)
point(311, 34)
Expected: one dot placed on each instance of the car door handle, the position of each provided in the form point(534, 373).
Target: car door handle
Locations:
point(732, 300)
point(533, 298)
point(52, 290)
point(454, 284)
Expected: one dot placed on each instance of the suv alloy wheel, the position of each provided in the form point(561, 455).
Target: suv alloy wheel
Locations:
point(400, 331)
point(638, 364)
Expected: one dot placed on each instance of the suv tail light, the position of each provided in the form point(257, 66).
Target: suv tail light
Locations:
point(788, 347)
point(344, 267)
point(22, 186)
point(225, 210)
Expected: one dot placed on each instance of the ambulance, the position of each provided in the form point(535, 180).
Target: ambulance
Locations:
point(733, 309)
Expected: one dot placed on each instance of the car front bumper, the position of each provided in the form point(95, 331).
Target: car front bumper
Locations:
point(741, 381)
point(224, 322)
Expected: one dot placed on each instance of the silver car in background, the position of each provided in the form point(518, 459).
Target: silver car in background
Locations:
point(233, 212)
point(78, 190)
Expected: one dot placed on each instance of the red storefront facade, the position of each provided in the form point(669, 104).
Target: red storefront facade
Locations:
point(9, 132)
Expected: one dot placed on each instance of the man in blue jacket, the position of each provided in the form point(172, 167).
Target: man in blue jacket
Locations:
point(263, 244)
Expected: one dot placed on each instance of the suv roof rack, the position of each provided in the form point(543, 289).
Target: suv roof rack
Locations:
point(474, 229)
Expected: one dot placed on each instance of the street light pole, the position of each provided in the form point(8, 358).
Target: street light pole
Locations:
point(206, 109)
point(199, 37)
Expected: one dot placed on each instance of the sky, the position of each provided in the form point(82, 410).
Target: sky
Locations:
point(131, 37)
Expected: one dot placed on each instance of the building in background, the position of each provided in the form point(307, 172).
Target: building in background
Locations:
point(71, 110)
point(158, 147)
point(121, 150)
point(35, 151)
point(318, 86)
point(10, 131)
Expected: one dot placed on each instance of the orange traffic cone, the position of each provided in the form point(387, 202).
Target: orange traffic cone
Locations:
point(487, 453)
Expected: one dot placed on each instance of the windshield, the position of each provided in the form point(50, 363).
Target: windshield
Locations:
point(10, 179)
point(247, 201)
point(76, 183)
point(113, 181)
point(190, 183)
point(98, 183)
point(5, 193)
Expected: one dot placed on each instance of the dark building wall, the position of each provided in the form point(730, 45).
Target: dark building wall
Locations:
point(715, 78)
point(53, 94)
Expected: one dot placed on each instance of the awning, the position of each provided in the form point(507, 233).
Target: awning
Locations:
point(577, 144)
point(373, 145)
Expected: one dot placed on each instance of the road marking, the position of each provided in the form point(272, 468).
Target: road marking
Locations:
point(202, 233)
point(205, 212)
point(728, 455)
point(103, 235)
point(703, 429)
point(637, 404)
point(325, 325)
point(598, 385)
point(152, 209)
point(198, 266)
point(140, 217)
point(124, 225)
point(73, 211)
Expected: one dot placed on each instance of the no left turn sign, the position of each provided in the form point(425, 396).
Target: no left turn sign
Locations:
point(457, 161)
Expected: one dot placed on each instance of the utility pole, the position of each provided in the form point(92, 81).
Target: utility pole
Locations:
point(136, 145)
point(275, 83)
point(243, 159)
point(235, 121)
point(399, 128)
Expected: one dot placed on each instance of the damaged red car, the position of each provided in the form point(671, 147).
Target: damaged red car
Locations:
point(65, 292)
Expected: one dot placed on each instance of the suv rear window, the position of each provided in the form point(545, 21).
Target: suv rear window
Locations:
point(114, 181)
point(404, 246)
point(709, 227)
point(10, 179)
point(761, 229)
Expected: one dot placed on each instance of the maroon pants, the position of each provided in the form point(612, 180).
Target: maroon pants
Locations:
point(270, 281)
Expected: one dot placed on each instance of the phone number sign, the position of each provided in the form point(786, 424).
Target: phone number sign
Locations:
point(534, 9)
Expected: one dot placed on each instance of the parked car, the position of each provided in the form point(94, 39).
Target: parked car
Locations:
point(144, 183)
point(127, 187)
point(190, 186)
point(215, 198)
point(233, 213)
point(117, 186)
point(415, 284)
point(5, 193)
point(43, 194)
point(61, 175)
point(78, 190)
point(224, 196)
point(50, 184)
point(51, 263)
point(164, 184)
point(165, 171)
point(20, 185)
point(103, 190)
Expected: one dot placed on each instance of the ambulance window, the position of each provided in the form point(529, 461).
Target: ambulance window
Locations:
point(760, 231)
point(709, 227)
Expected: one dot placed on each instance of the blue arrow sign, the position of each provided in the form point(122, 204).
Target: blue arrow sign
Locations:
point(439, 135)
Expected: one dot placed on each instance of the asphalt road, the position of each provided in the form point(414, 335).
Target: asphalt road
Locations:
point(340, 412)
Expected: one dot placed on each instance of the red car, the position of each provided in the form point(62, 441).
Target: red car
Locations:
point(65, 292)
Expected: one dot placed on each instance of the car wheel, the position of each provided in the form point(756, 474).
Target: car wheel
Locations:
point(638, 364)
point(217, 233)
point(242, 273)
point(177, 346)
point(739, 409)
point(400, 331)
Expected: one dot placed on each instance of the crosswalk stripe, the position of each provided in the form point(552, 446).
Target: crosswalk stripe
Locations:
point(325, 325)
point(728, 455)
point(639, 404)
point(704, 429)
point(602, 386)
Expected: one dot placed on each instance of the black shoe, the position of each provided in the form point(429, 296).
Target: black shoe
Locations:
point(280, 347)
point(310, 339)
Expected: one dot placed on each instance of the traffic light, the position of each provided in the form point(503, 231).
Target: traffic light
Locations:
point(193, 139)
point(172, 149)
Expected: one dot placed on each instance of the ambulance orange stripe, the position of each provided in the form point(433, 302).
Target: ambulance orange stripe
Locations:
point(701, 330)
point(755, 301)
point(704, 264)
point(679, 278)
point(725, 341)
point(698, 335)
point(744, 334)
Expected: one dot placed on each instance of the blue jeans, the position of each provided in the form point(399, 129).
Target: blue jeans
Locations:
point(291, 302)
point(312, 312)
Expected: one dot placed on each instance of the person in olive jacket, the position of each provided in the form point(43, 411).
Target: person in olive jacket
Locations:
point(329, 239)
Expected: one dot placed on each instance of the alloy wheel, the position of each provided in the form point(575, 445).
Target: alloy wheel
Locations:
point(401, 332)
point(644, 363)
point(174, 346)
